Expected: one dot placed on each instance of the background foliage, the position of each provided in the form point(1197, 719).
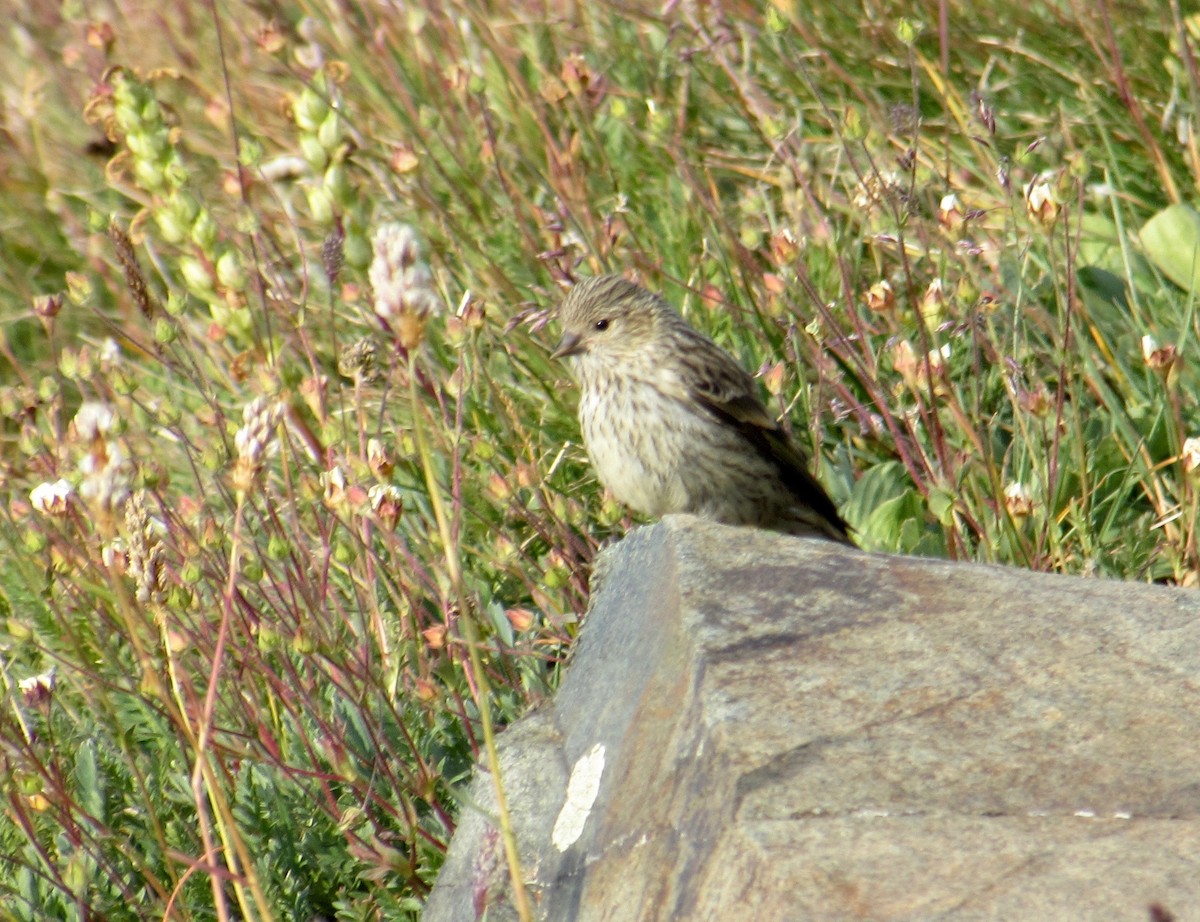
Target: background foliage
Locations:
point(262, 499)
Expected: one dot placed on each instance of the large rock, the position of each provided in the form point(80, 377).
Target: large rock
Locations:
point(772, 728)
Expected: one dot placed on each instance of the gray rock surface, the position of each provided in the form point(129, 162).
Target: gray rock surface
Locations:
point(771, 728)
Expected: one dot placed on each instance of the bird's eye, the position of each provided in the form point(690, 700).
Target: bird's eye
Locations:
point(602, 324)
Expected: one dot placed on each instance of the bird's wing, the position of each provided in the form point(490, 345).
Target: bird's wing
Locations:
point(714, 379)
point(722, 386)
point(727, 392)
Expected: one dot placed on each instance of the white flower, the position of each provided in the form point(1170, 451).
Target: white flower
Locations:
point(105, 477)
point(93, 420)
point(333, 482)
point(881, 296)
point(402, 282)
point(933, 302)
point(1018, 500)
point(261, 417)
point(45, 679)
point(36, 689)
point(950, 211)
point(387, 502)
point(1156, 357)
point(110, 352)
point(1041, 202)
point(52, 498)
point(381, 493)
point(1191, 454)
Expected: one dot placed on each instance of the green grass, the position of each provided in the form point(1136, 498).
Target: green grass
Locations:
point(264, 701)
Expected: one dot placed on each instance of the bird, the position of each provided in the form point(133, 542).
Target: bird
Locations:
point(672, 423)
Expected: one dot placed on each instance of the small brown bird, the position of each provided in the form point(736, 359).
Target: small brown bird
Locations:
point(673, 424)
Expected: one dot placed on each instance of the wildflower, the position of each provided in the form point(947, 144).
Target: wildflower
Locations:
point(1191, 455)
point(426, 690)
point(106, 475)
point(333, 483)
point(94, 420)
point(37, 689)
point(114, 555)
point(387, 503)
point(380, 459)
point(950, 212)
point(880, 297)
point(435, 636)
point(876, 189)
point(147, 557)
point(110, 353)
point(577, 76)
point(784, 247)
point(105, 466)
point(933, 302)
point(1158, 358)
point(909, 30)
point(403, 284)
point(270, 38)
point(1041, 202)
point(1018, 500)
point(261, 417)
point(498, 487)
point(52, 498)
point(939, 357)
point(904, 360)
point(774, 376)
point(48, 306)
point(916, 371)
point(404, 159)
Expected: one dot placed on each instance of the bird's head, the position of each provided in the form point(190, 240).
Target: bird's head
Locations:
point(609, 317)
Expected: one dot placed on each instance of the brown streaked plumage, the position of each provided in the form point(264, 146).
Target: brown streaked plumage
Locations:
point(673, 424)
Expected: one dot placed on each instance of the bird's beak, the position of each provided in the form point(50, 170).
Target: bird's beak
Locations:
point(570, 344)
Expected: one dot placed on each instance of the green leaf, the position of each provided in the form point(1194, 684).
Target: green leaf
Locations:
point(877, 485)
point(498, 616)
point(87, 777)
point(899, 522)
point(1100, 285)
point(1100, 243)
point(885, 505)
point(941, 503)
point(1171, 240)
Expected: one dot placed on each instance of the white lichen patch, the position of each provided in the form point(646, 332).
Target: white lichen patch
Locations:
point(582, 789)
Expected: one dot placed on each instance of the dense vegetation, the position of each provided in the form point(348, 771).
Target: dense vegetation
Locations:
point(291, 486)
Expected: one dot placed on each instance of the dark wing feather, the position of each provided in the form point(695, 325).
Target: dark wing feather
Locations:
point(726, 391)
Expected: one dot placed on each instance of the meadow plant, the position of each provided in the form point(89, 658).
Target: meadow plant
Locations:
point(296, 512)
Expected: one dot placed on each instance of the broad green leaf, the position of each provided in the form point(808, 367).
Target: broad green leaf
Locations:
point(1100, 242)
point(876, 486)
point(1171, 240)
